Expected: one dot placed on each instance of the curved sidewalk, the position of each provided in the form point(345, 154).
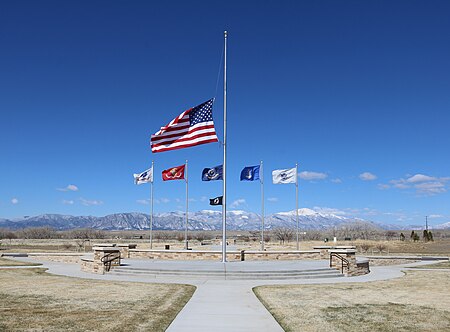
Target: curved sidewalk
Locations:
point(225, 305)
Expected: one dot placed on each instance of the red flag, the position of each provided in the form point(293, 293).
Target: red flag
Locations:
point(174, 173)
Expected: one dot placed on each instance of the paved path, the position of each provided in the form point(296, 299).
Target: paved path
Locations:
point(225, 305)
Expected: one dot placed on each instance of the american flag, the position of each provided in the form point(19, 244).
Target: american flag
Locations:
point(192, 127)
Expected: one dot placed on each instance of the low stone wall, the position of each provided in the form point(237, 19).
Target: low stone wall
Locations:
point(362, 267)
point(281, 255)
point(95, 264)
point(182, 254)
point(217, 255)
point(72, 258)
point(355, 267)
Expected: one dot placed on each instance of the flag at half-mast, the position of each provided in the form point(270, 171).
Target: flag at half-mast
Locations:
point(284, 176)
point(192, 127)
point(174, 173)
point(144, 177)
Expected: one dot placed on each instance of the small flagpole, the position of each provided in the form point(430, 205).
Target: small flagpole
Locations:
point(186, 245)
point(151, 208)
point(224, 200)
point(261, 180)
point(296, 200)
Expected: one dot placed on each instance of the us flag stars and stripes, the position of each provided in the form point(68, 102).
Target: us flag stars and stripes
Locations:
point(192, 127)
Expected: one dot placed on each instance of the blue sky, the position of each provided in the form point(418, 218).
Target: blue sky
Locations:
point(356, 92)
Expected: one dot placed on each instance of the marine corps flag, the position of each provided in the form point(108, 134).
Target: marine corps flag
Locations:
point(216, 201)
point(174, 173)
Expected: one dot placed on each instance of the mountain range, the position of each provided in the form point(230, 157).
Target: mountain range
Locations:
point(201, 220)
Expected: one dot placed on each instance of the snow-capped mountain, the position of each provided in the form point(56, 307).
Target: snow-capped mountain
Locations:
point(442, 226)
point(200, 220)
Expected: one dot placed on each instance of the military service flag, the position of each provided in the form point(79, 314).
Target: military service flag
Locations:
point(284, 176)
point(144, 177)
point(250, 173)
point(213, 173)
point(174, 173)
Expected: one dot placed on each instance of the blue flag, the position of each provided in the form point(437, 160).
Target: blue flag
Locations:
point(250, 173)
point(213, 173)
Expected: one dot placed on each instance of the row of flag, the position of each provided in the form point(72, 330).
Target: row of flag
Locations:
point(249, 173)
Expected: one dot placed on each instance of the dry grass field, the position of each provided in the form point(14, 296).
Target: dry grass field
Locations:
point(420, 301)
point(10, 262)
point(32, 300)
point(441, 246)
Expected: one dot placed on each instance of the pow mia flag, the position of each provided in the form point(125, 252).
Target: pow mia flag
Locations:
point(213, 173)
point(216, 201)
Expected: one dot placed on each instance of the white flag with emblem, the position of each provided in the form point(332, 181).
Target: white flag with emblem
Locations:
point(284, 176)
point(144, 177)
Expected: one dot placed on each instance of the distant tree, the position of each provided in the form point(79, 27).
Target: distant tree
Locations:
point(391, 235)
point(402, 237)
point(381, 247)
point(425, 235)
point(283, 234)
point(430, 236)
point(365, 247)
point(412, 235)
point(416, 237)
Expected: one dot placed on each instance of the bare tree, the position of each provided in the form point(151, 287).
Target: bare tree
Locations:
point(283, 234)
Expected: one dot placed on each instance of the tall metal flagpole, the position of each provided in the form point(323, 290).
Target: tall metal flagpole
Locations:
point(151, 208)
point(186, 245)
point(224, 199)
point(296, 200)
point(261, 180)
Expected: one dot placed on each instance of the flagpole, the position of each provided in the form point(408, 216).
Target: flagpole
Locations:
point(261, 180)
point(296, 200)
point(186, 245)
point(151, 208)
point(224, 200)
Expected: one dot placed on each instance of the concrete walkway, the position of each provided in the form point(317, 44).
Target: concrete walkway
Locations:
point(224, 305)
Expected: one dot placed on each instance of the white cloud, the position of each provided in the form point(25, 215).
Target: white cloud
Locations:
point(327, 210)
point(70, 187)
point(68, 202)
point(435, 216)
point(382, 186)
point(237, 203)
point(162, 200)
point(420, 178)
point(87, 202)
point(337, 180)
point(14, 201)
point(422, 184)
point(309, 176)
point(203, 199)
point(272, 199)
point(367, 176)
point(143, 201)
point(430, 188)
